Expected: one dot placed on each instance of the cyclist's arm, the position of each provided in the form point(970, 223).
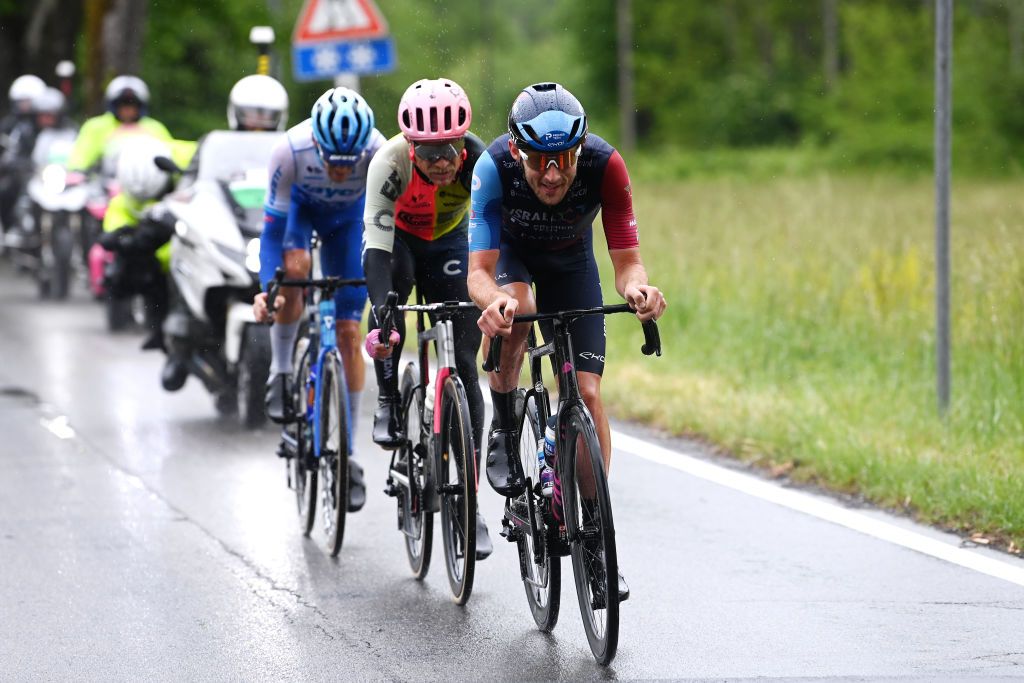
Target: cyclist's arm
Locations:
point(385, 182)
point(275, 212)
point(484, 243)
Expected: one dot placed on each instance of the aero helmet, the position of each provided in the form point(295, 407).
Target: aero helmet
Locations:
point(137, 174)
point(342, 125)
point(258, 103)
point(434, 110)
point(548, 118)
point(25, 88)
point(126, 87)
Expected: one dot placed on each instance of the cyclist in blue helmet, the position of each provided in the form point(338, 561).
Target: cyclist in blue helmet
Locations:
point(536, 193)
point(318, 183)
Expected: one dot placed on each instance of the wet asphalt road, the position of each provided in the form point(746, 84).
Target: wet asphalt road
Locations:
point(160, 542)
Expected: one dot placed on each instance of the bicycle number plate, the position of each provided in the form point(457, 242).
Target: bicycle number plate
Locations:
point(327, 336)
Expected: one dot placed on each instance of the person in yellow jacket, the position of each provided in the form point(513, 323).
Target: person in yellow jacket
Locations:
point(127, 99)
point(138, 237)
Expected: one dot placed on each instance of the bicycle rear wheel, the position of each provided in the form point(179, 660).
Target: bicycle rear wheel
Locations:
point(542, 569)
point(456, 482)
point(415, 518)
point(588, 517)
point(303, 471)
point(333, 451)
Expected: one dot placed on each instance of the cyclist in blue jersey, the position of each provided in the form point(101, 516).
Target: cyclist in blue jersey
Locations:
point(536, 193)
point(318, 182)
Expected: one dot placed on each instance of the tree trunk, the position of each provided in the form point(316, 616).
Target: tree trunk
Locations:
point(123, 27)
point(830, 42)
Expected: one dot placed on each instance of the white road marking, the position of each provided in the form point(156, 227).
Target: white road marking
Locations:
point(808, 504)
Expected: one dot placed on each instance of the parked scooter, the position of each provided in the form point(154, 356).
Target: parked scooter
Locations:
point(215, 272)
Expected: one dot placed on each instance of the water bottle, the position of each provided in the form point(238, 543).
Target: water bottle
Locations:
point(428, 400)
point(545, 458)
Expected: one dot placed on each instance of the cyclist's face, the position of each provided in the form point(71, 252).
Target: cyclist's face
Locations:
point(439, 162)
point(549, 183)
point(338, 173)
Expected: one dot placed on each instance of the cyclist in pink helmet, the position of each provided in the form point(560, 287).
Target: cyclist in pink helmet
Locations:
point(417, 218)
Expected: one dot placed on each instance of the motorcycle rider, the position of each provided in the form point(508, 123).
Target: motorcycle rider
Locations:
point(318, 182)
point(127, 100)
point(255, 103)
point(416, 216)
point(140, 240)
point(17, 137)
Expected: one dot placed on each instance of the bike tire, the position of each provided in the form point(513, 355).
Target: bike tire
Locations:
point(334, 444)
point(544, 599)
point(304, 478)
point(414, 510)
point(456, 469)
point(62, 244)
point(252, 375)
point(591, 533)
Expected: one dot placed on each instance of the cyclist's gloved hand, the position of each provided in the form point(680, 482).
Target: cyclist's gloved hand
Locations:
point(375, 348)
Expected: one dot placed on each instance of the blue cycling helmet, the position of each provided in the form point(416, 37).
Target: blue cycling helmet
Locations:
point(548, 118)
point(342, 124)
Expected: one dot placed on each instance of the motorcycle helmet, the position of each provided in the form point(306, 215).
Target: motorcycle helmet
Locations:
point(434, 110)
point(127, 88)
point(342, 125)
point(258, 103)
point(49, 101)
point(23, 90)
point(137, 174)
point(547, 118)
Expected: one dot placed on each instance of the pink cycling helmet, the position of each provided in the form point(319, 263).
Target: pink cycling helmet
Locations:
point(434, 110)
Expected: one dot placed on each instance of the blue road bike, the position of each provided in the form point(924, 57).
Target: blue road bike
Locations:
point(317, 443)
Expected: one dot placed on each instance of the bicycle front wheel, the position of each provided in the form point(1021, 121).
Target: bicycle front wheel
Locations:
point(541, 567)
point(588, 516)
point(456, 482)
point(303, 473)
point(415, 519)
point(333, 451)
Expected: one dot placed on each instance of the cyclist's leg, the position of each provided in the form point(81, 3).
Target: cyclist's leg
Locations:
point(576, 283)
point(504, 469)
point(293, 245)
point(340, 255)
point(386, 427)
point(441, 269)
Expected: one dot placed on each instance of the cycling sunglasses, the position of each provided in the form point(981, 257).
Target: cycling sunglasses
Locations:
point(342, 160)
point(432, 152)
point(540, 161)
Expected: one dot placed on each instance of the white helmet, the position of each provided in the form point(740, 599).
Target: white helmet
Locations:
point(137, 174)
point(258, 103)
point(25, 88)
point(50, 101)
point(127, 86)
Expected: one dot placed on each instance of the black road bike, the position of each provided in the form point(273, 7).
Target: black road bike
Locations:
point(434, 468)
point(577, 519)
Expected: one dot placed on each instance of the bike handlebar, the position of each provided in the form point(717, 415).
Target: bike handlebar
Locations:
point(328, 284)
point(652, 338)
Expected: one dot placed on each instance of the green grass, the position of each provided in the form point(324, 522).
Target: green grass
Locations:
point(800, 336)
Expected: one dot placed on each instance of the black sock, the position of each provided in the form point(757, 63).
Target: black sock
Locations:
point(504, 409)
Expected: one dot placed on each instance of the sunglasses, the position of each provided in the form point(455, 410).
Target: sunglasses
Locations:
point(432, 152)
point(341, 160)
point(540, 161)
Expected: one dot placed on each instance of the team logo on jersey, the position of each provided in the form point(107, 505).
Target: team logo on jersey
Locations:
point(476, 182)
point(453, 267)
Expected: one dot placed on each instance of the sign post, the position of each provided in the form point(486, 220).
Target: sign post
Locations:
point(341, 36)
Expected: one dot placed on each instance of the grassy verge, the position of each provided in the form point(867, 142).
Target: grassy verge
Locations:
point(800, 335)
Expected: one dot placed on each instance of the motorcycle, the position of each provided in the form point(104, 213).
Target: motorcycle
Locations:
point(214, 270)
point(50, 215)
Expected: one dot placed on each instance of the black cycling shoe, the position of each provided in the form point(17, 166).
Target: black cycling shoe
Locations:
point(174, 374)
point(386, 431)
point(484, 548)
point(279, 398)
point(597, 584)
point(356, 486)
point(504, 471)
